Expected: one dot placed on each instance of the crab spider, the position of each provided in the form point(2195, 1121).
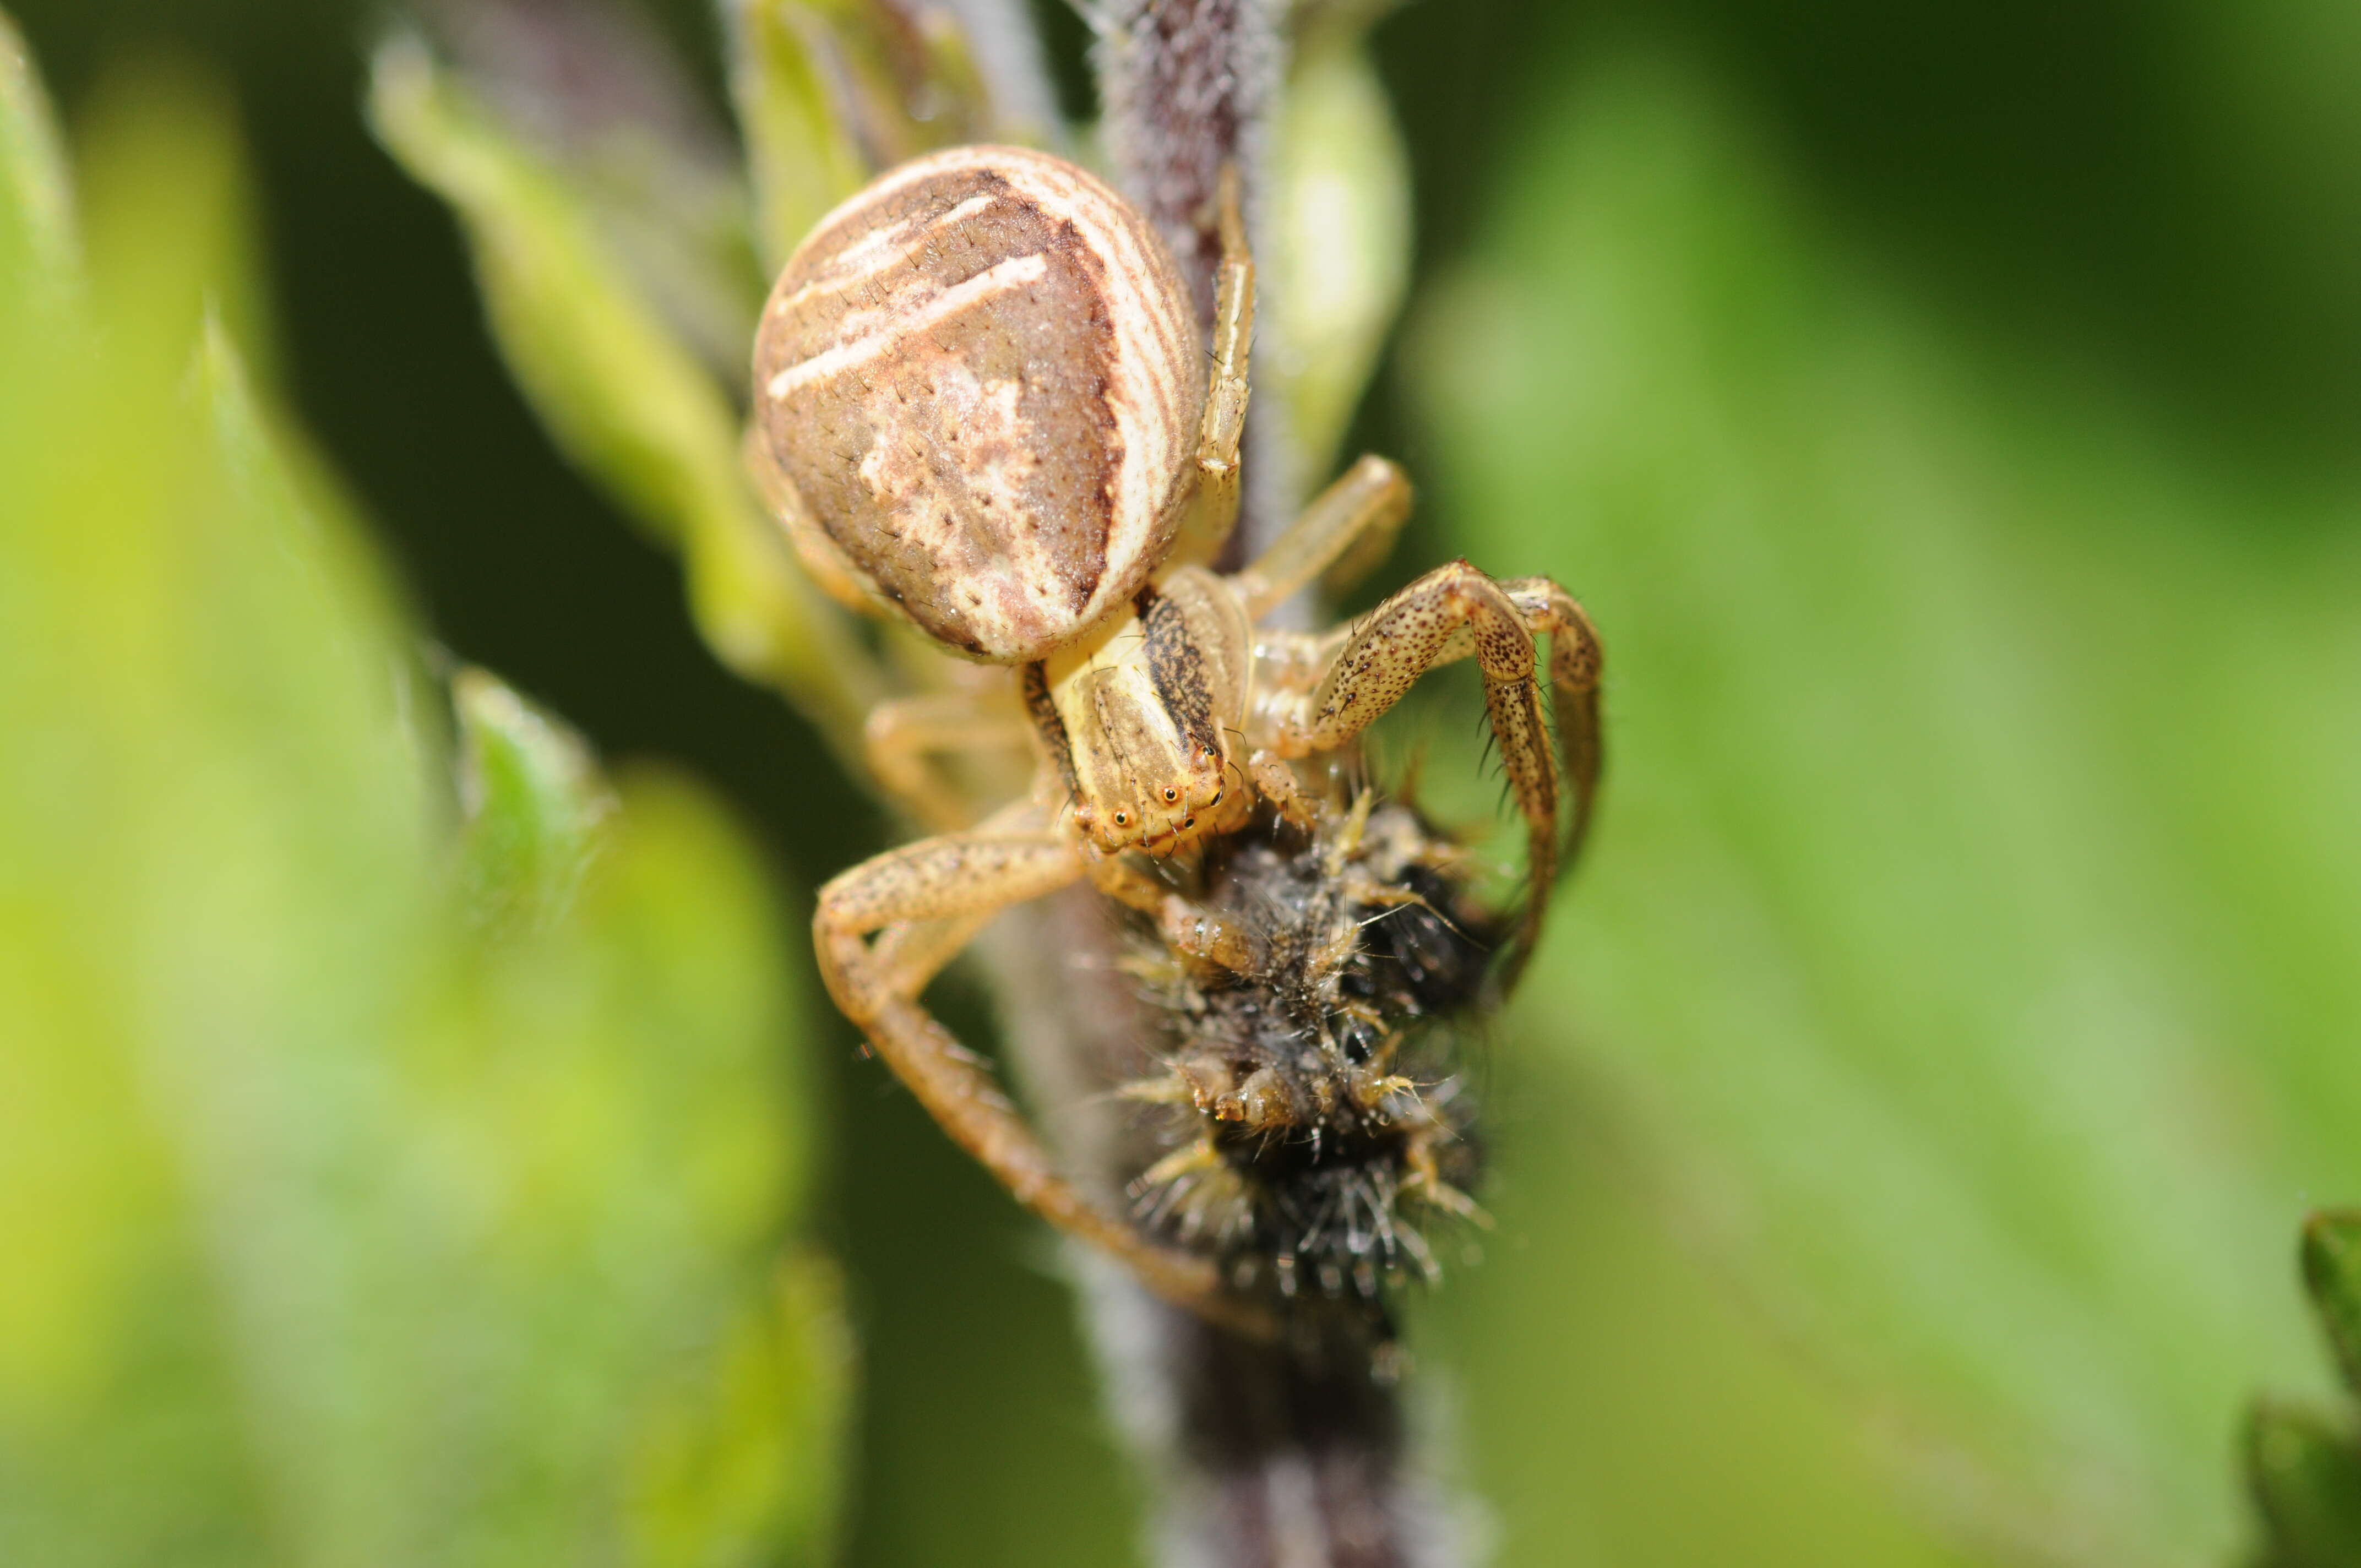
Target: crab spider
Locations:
point(978, 403)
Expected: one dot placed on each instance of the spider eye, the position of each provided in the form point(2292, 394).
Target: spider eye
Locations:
point(1191, 823)
point(1122, 818)
point(1171, 794)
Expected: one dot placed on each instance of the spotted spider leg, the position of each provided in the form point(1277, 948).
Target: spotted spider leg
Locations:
point(1213, 508)
point(1345, 531)
point(904, 736)
point(923, 903)
point(1316, 692)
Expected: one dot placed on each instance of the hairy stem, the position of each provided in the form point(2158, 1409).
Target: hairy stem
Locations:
point(1257, 1456)
point(1186, 87)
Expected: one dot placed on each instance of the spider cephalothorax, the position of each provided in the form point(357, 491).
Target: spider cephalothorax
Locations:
point(981, 402)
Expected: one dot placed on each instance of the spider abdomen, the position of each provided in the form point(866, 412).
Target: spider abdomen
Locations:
point(980, 379)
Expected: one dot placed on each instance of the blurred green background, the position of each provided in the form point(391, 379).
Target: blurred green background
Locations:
point(1948, 414)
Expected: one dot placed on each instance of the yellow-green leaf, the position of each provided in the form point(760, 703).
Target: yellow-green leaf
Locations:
point(36, 223)
point(627, 400)
point(800, 148)
point(342, 1233)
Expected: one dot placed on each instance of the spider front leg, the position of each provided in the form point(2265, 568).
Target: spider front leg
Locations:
point(1348, 528)
point(1214, 509)
point(923, 902)
point(1575, 661)
point(1450, 613)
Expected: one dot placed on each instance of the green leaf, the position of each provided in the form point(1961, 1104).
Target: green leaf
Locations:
point(2332, 1272)
point(623, 398)
point(747, 1455)
point(649, 169)
point(159, 149)
point(830, 92)
point(355, 1234)
point(798, 146)
point(1967, 931)
point(36, 223)
point(534, 805)
point(620, 395)
point(2305, 1474)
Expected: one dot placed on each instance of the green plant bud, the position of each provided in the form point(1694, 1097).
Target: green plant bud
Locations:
point(1341, 222)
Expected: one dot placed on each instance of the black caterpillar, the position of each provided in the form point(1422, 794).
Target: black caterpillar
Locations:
point(1320, 1125)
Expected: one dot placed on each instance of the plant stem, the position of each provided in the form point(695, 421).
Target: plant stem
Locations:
point(1185, 88)
point(1255, 1456)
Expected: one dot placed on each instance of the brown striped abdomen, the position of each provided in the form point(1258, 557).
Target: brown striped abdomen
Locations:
point(980, 378)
